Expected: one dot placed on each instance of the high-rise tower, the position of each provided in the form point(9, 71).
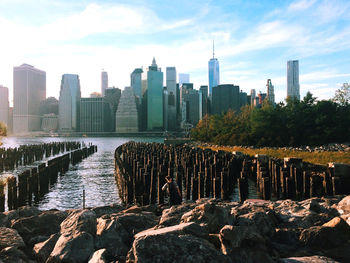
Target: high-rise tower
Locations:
point(136, 81)
point(29, 90)
point(270, 92)
point(69, 103)
point(293, 87)
point(214, 73)
point(4, 105)
point(104, 82)
point(171, 98)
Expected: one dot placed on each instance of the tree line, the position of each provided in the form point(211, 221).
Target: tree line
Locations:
point(294, 123)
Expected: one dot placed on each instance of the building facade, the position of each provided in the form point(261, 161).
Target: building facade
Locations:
point(252, 97)
point(225, 97)
point(29, 90)
point(293, 87)
point(136, 81)
point(69, 103)
point(152, 88)
point(190, 98)
point(205, 101)
point(104, 82)
point(4, 105)
point(127, 114)
point(270, 92)
point(112, 97)
point(94, 115)
point(171, 98)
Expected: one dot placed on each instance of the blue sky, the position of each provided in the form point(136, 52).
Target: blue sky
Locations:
point(253, 41)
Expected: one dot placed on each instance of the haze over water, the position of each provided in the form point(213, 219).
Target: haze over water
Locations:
point(95, 174)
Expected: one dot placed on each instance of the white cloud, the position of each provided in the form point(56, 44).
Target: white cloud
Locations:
point(300, 5)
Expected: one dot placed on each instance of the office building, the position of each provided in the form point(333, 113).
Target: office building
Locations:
point(112, 97)
point(261, 97)
point(49, 122)
point(224, 98)
point(127, 114)
point(205, 101)
point(214, 73)
point(152, 88)
point(171, 98)
point(243, 99)
point(48, 106)
point(253, 97)
point(270, 92)
point(136, 81)
point(69, 103)
point(94, 115)
point(104, 82)
point(293, 87)
point(184, 78)
point(4, 105)
point(29, 89)
point(165, 108)
point(190, 99)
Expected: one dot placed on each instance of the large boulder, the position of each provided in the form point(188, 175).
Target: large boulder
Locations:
point(77, 247)
point(244, 244)
point(344, 205)
point(45, 224)
point(10, 238)
point(24, 211)
point(210, 215)
point(79, 221)
point(43, 250)
point(13, 255)
point(107, 210)
point(172, 216)
point(263, 221)
point(312, 259)
point(100, 256)
point(134, 223)
point(173, 244)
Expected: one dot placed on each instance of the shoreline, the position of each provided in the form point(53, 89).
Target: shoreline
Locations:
point(208, 230)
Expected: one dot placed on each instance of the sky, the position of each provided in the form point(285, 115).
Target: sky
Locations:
point(253, 41)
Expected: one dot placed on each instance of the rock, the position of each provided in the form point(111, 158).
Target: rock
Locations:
point(285, 240)
point(112, 236)
point(137, 222)
point(312, 259)
point(330, 235)
point(263, 222)
point(243, 244)
point(10, 238)
point(169, 247)
point(45, 224)
point(13, 255)
point(172, 216)
point(100, 256)
point(77, 247)
point(79, 221)
point(344, 205)
point(209, 215)
point(107, 210)
point(24, 211)
point(43, 250)
point(133, 209)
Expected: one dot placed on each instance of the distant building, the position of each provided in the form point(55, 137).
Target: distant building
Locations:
point(136, 81)
point(69, 103)
point(184, 78)
point(48, 106)
point(171, 100)
point(104, 82)
point(94, 115)
point(225, 97)
point(49, 122)
point(293, 87)
point(112, 97)
point(270, 92)
point(190, 98)
point(96, 94)
point(127, 115)
point(29, 89)
point(214, 73)
point(4, 105)
point(165, 108)
point(152, 88)
point(262, 97)
point(243, 99)
point(252, 97)
point(10, 123)
point(205, 100)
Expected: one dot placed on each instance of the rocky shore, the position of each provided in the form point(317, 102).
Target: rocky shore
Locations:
point(208, 230)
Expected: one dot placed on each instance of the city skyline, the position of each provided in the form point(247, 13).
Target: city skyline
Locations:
point(253, 41)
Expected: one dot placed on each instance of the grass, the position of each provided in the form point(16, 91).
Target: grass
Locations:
point(313, 157)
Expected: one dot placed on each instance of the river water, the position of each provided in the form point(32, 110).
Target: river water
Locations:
point(95, 174)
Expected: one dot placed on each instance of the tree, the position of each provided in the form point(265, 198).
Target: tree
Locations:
point(3, 129)
point(342, 95)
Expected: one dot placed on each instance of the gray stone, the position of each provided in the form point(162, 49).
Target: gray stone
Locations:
point(10, 238)
point(100, 256)
point(79, 221)
point(43, 250)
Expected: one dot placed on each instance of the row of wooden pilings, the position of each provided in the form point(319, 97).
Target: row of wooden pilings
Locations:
point(11, 158)
point(32, 184)
point(140, 170)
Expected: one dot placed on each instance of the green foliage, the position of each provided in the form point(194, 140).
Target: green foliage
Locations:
point(3, 129)
point(306, 122)
point(342, 95)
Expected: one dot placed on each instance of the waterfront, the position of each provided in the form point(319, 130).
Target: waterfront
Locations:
point(95, 174)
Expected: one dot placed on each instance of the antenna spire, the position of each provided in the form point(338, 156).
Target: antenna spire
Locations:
point(213, 50)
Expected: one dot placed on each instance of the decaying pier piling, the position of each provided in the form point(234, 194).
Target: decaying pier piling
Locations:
point(141, 168)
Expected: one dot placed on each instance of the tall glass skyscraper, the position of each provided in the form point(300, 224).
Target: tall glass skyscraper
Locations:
point(171, 98)
point(104, 82)
point(214, 73)
point(136, 81)
point(270, 92)
point(293, 87)
point(4, 105)
point(69, 103)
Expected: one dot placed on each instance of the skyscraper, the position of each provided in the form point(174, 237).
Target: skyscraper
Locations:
point(171, 97)
point(214, 73)
point(184, 78)
point(225, 97)
point(69, 103)
point(252, 97)
point(104, 82)
point(293, 87)
point(4, 105)
point(205, 101)
point(136, 81)
point(152, 88)
point(190, 98)
point(29, 89)
point(126, 115)
point(270, 92)
point(94, 115)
